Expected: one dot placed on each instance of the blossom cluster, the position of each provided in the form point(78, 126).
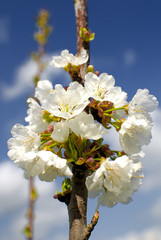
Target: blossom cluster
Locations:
point(66, 127)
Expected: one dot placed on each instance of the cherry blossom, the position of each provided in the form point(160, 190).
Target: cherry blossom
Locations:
point(143, 103)
point(35, 117)
point(66, 103)
point(116, 181)
point(68, 58)
point(135, 132)
point(24, 151)
point(43, 89)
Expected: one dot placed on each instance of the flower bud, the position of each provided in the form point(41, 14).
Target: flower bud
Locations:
point(90, 68)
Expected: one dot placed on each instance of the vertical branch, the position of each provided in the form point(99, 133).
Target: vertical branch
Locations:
point(41, 37)
point(81, 15)
point(81, 20)
point(28, 230)
point(77, 207)
point(41, 52)
point(31, 207)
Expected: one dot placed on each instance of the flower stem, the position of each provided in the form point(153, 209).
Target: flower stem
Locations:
point(109, 115)
point(114, 109)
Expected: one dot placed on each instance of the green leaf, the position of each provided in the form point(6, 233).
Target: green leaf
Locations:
point(91, 37)
point(33, 194)
point(27, 231)
point(66, 184)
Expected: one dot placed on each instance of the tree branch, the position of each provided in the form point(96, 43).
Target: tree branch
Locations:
point(91, 225)
point(81, 15)
point(77, 206)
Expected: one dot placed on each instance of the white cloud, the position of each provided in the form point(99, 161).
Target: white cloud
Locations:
point(152, 160)
point(155, 210)
point(50, 215)
point(9, 184)
point(153, 233)
point(23, 81)
point(129, 57)
point(4, 30)
point(23, 78)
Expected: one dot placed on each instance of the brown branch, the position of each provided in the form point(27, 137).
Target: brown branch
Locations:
point(91, 225)
point(31, 206)
point(30, 215)
point(42, 18)
point(77, 206)
point(81, 15)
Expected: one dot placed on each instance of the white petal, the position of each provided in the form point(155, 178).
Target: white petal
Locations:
point(43, 89)
point(94, 186)
point(66, 171)
point(66, 104)
point(134, 133)
point(143, 103)
point(59, 62)
point(61, 132)
point(83, 125)
point(107, 80)
point(35, 117)
point(99, 87)
point(48, 176)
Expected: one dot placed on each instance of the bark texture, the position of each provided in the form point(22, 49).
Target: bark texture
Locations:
point(81, 15)
point(77, 206)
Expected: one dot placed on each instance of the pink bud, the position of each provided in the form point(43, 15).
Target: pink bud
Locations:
point(49, 143)
point(50, 128)
point(97, 73)
point(90, 160)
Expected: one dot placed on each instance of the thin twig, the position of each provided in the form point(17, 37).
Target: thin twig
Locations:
point(91, 225)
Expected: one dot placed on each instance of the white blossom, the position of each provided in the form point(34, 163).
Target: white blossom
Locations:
point(35, 117)
point(117, 180)
point(54, 166)
point(102, 89)
point(134, 133)
point(84, 126)
point(143, 103)
point(117, 97)
point(46, 165)
point(65, 58)
point(43, 89)
point(99, 87)
point(61, 131)
point(24, 140)
point(66, 103)
point(24, 151)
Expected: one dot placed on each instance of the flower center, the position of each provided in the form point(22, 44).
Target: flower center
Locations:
point(28, 143)
point(100, 91)
point(65, 107)
point(113, 176)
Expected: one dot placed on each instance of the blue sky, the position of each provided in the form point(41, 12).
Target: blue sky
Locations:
point(128, 46)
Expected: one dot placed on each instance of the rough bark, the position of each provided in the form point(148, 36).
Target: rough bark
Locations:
point(77, 206)
point(81, 15)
